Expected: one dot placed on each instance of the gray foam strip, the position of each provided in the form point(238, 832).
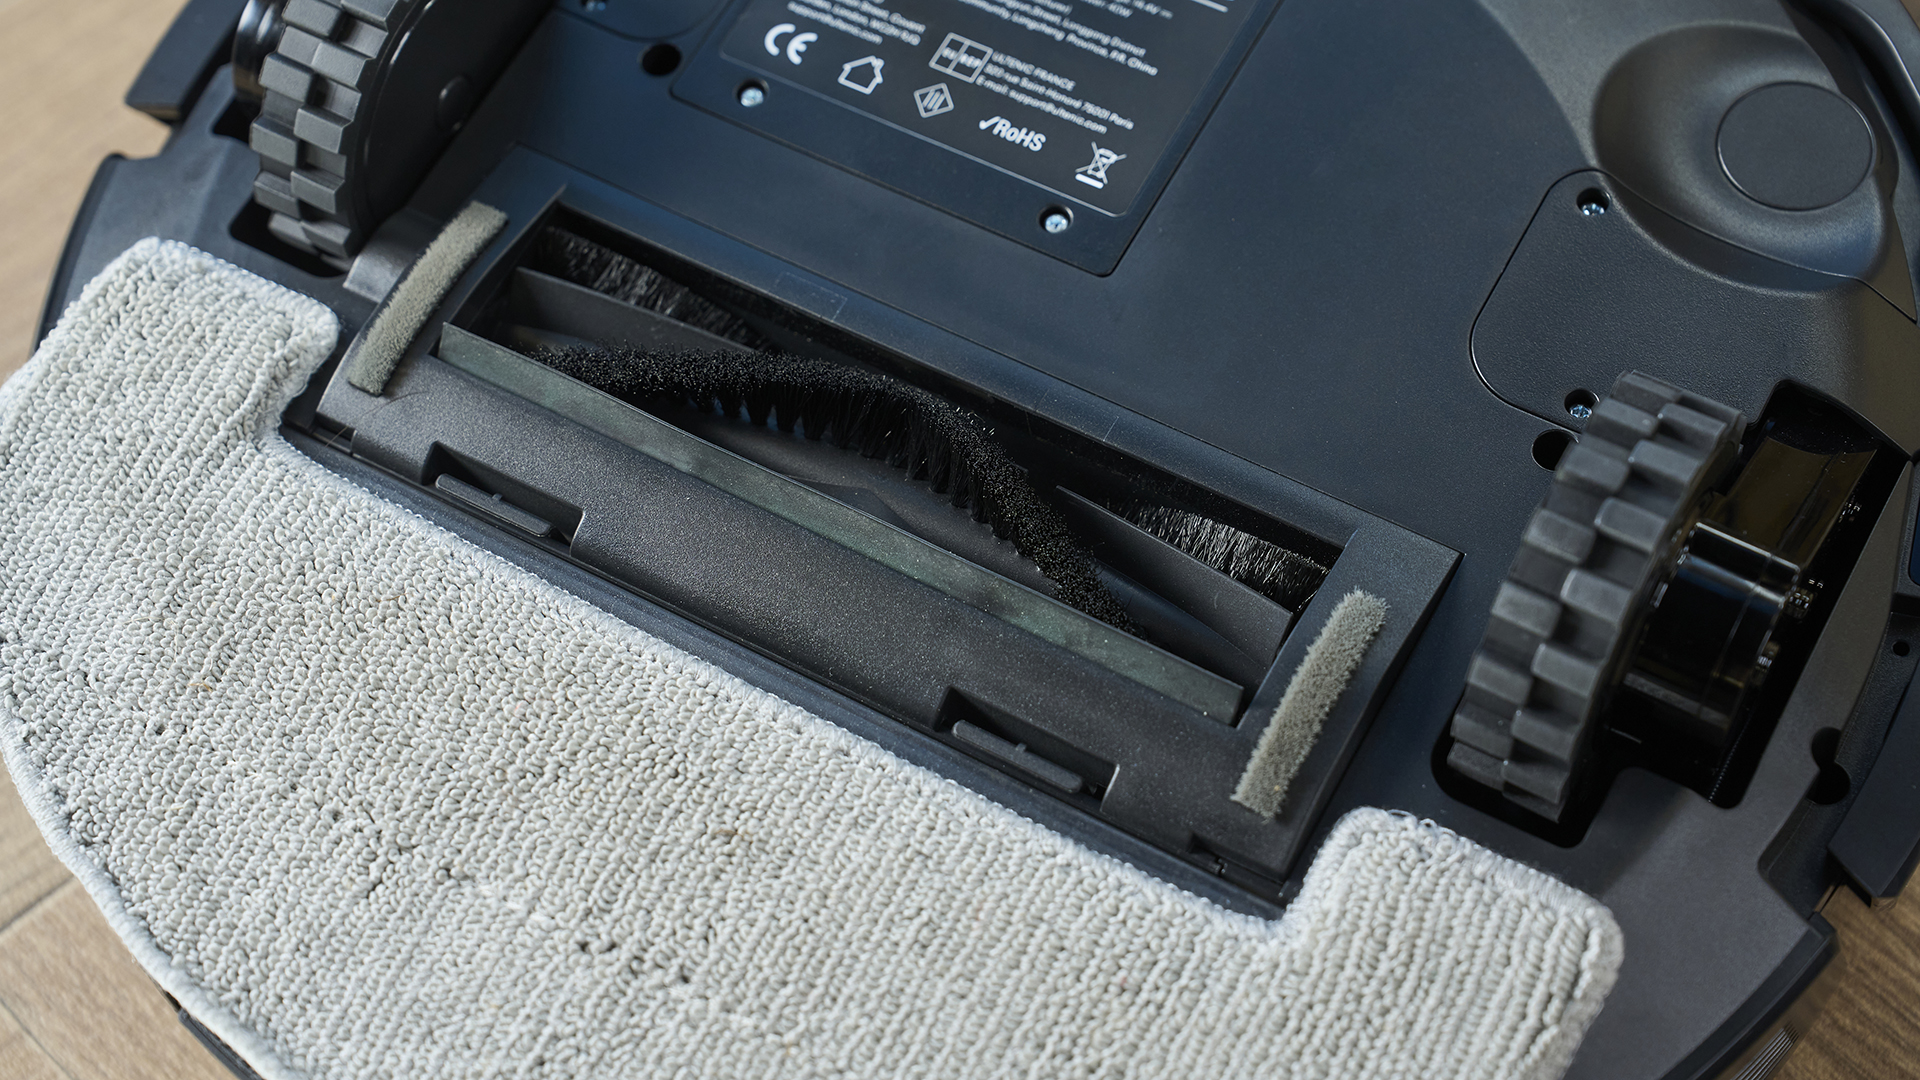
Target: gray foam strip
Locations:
point(1329, 666)
point(413, 301)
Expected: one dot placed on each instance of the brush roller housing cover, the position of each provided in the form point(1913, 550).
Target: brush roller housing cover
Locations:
point(878, 416)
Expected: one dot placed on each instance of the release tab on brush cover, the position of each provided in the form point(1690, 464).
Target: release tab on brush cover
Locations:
point(1017, 755)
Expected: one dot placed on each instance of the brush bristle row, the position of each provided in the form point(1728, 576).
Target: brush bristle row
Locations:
point(583, 262)
point(1285, 577)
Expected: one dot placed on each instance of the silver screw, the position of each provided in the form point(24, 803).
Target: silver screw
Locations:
point(1056, 221)
point(1579, 412)
point(751, 96)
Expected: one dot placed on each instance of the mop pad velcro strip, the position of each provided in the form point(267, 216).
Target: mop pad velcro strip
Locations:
point(1317, 683)
point(413, 301)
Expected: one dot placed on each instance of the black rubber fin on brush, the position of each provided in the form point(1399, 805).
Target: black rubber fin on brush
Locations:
point(875, 415)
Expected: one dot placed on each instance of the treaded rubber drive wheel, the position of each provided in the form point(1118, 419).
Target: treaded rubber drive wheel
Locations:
point(359, 97)
point(1565, 622)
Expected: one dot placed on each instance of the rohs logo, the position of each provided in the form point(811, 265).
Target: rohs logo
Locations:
point(1027, 137)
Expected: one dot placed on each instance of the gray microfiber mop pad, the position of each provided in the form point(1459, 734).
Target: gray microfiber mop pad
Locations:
point(414, 300)
point(372, 802)
point(1323, 673)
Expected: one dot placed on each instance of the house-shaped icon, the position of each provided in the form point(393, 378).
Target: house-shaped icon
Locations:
point(862, 74)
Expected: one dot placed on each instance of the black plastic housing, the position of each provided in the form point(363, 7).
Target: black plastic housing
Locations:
point(1366, 290)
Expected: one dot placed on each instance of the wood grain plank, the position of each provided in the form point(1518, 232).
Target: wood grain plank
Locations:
point(20, 1057)
point(28, 871)
point(71, 984)
point(63, 116)
point(1871, 1025)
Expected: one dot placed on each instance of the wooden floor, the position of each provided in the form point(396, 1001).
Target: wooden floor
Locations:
point(72, 1001)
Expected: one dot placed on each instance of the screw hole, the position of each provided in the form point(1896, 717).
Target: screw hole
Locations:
point(1593, 202)
point(1833, 783)
point(1901, 648)
point(1580, 404)
point(660, 59)
point(1550, 447)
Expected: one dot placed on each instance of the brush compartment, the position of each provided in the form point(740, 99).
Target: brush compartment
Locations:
point(831, 519)
point(555, 296)
point(848, 572)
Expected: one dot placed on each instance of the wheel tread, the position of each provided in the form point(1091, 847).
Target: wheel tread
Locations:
point(316, 84)
point(1561, 626)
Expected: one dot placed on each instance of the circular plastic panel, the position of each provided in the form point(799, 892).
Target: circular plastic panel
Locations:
point(1794, 146)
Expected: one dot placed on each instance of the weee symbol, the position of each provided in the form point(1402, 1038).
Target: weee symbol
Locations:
point(795, 48)
point(1094, 173)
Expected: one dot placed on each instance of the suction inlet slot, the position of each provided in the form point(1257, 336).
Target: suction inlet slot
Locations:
point(1209, 614)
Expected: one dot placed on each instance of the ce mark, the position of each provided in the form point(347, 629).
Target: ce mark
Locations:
point(795, 47)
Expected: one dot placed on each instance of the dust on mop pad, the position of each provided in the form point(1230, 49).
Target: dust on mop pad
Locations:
point(372, 802)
